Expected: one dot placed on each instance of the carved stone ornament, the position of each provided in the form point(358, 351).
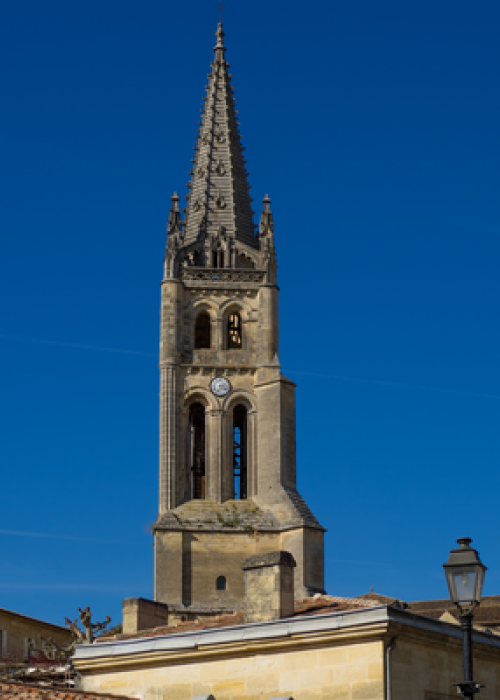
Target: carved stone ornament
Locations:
point(220, 170)
point(200, 274)
point(221, 204)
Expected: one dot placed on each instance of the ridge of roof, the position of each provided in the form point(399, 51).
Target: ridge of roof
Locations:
point(385, 599)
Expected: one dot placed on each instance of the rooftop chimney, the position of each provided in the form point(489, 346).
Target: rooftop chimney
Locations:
point(268, 583)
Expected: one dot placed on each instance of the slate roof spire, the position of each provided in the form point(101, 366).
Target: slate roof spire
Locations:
point(219, 193)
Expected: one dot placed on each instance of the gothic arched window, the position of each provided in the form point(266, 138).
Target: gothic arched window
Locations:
point(202, 330)
point(221, 583)
point(197, 449)
point(234, 331)
point(240, 452)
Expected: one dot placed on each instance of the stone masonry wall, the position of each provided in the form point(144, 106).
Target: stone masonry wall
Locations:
point(349, 672)
point(16, 628)
point(422, 672)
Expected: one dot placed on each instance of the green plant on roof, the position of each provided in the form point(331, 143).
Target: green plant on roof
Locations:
point(230, 522)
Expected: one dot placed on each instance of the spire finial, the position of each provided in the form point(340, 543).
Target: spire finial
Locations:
point(220, 37)
point(220, 7)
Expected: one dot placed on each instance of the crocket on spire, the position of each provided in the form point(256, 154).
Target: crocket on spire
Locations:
point(219, 193)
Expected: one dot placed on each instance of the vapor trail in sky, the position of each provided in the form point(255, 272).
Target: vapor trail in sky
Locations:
point(378, 382)
point(413, 387)
point(75, 345)
point(68, 587)
point(17, 533)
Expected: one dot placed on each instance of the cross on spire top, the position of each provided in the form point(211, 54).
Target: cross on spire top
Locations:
point(220, 7)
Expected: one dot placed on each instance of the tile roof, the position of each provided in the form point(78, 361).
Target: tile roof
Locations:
point(486, 615)
point(487, 601)
point(316, 605)
point(22, 691)
point(319, 604)
point(382, 599)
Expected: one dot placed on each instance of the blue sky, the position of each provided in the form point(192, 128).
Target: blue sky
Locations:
point(374, 129)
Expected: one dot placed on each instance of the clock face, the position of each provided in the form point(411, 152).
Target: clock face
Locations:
point(220, 386)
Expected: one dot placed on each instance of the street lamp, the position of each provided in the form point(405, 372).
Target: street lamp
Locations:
point(465, 577)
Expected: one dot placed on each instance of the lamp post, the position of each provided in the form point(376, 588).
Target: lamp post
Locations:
point(465, 577)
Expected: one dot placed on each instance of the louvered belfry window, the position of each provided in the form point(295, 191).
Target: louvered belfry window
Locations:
point(197, 449)
point(202, 330)
point(240, 452)
point(234, 334)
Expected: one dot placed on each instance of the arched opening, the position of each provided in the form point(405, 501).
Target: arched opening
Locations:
point(240, 452)
point(234, 331)
point(221, 583)
point(202, 330)
point(197, 449)
point(218, 258)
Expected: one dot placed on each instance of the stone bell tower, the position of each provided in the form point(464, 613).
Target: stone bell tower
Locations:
point(227, 414)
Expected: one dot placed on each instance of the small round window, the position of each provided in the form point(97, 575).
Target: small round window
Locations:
point(221, 584)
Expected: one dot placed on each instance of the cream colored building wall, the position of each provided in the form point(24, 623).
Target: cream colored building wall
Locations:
point(350, 672)
point(428, 671)
point(16, 628)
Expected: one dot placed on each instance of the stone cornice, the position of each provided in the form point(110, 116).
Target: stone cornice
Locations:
point(170, 280)
point(296, 524)
point(278, 380)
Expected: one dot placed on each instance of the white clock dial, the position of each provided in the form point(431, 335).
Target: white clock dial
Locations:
point(220, 386)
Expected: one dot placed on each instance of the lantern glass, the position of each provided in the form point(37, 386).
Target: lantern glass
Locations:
point(465, 575)
point(463, 586)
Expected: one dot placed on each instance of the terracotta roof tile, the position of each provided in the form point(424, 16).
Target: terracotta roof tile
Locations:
point(23, 691)
point(228, 620)
point(482, 616)
point(316, 605)
point(486, 615)
point(382, 599)
point(330, 603)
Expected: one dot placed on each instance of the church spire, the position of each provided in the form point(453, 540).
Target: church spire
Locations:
point(219, 194)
